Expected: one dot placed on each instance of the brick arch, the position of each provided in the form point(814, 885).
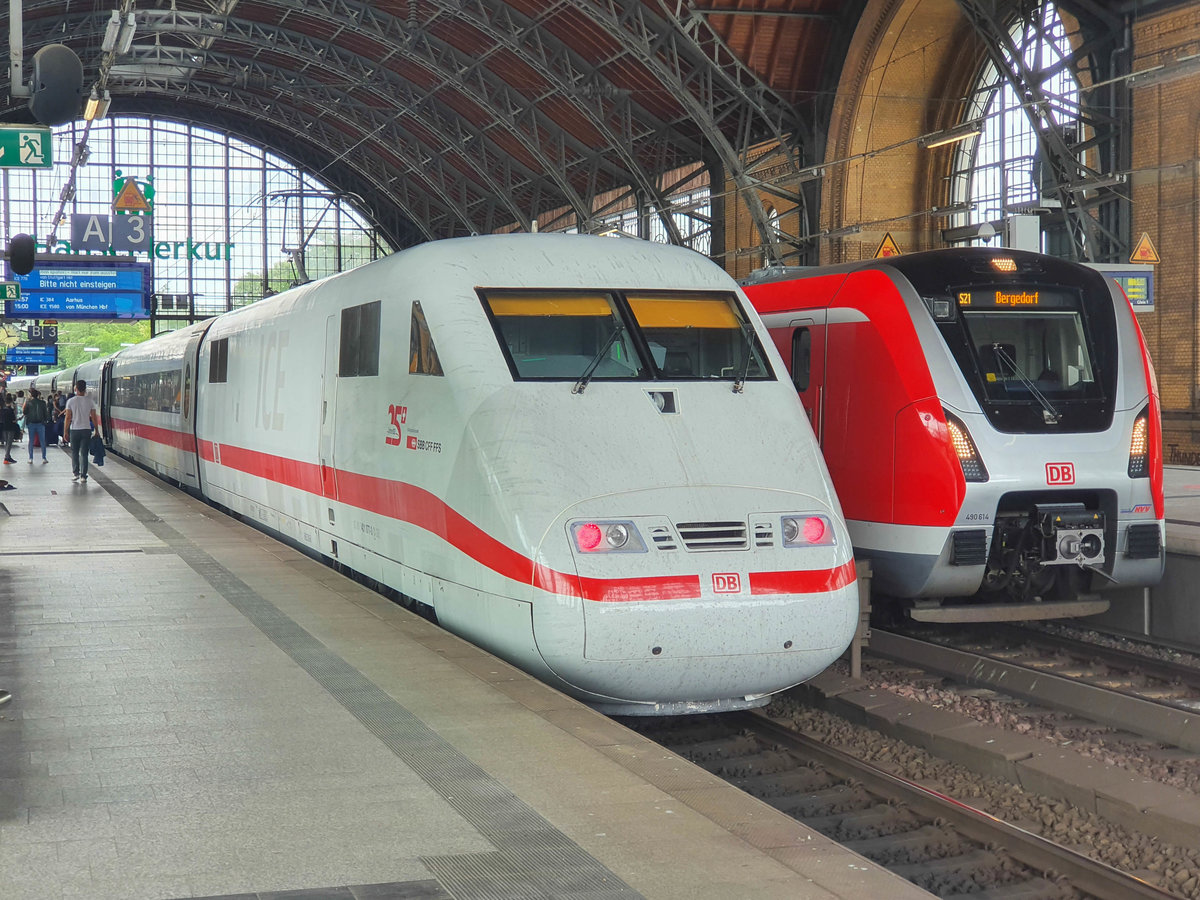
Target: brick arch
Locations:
point(908, 71)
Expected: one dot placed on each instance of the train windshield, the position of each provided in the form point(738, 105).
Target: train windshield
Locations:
point(564, 335)
point(1030, 347)
point(698, 335)
point(612, 335)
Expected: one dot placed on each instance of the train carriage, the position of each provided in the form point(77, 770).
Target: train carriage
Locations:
point(148, 406)
point(991, 422)
point(576, 450)
point(20, 383)
point(48, 382)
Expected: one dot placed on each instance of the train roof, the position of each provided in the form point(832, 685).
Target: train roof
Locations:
point(439, 271)
point(968, 260)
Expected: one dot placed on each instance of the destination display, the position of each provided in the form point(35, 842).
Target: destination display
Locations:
point(1013, 297)
point(83, 289)
point(32, 355)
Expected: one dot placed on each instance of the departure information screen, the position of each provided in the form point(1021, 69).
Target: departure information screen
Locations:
point(83, 289)
point(32, 355)
point(1030, 297)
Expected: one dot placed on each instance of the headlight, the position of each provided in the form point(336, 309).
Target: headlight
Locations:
point(807, 531)
point(1139, 446)
point(607, 537)
point(964, 448)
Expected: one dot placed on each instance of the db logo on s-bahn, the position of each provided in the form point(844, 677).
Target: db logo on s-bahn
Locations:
point(1060, 473)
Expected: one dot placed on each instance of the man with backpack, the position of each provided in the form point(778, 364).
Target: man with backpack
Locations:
point(37, 414)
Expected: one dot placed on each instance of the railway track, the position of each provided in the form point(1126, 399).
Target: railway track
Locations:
point(1182, 680)
point(1155, 699)
point(940, 844)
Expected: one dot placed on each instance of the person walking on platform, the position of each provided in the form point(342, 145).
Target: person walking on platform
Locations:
point(9, 429)
point(81, 416)
point(58, 409)
point(37, 414)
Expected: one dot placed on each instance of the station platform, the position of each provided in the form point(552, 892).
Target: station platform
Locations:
point(199, 710)
point(1181, 491)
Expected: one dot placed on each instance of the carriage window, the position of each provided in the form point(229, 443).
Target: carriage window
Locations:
point(359, 350)
point(153, 391)
point(563, 335)
point(422, 355)
point(699, 335)
point(801, 358)
point(218, 362)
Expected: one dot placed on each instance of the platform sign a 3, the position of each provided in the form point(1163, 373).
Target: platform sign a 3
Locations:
point(121, 234)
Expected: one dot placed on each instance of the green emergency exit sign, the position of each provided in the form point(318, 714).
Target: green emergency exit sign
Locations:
point(25, 147)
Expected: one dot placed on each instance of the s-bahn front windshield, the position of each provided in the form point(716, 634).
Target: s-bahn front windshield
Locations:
point(566, 335)
point(1029, 346)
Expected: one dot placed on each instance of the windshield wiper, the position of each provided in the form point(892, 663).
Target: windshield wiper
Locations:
point(597, 359)
point(1003, 356)
point(748, 334)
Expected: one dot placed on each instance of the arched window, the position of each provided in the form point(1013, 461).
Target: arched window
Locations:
point(1002, 172)
point(773, 216)
point(226, 213)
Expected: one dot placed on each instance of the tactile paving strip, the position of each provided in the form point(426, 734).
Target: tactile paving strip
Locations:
point(534, 859)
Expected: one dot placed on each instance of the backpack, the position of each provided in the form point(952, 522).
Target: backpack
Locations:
point(35, 412)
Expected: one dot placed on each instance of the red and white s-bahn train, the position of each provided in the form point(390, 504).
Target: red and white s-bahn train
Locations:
point(991, 422)
point(576, 450)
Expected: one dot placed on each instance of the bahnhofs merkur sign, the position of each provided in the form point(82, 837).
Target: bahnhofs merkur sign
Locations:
point(129, 230)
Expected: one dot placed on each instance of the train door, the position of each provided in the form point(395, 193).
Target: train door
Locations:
point(105, 398)
point(805, 353)
point(328, 407)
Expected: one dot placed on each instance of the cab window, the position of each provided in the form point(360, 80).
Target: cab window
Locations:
point(561, 335)
point(698, 335)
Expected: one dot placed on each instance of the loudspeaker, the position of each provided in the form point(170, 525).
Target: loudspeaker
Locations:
point(20, 254)
point(57, 87)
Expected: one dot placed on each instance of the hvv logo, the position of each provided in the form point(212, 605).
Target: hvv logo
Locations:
point(1060, 473)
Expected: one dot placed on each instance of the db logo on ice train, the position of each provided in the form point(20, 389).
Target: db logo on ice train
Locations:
point(1060, 473)
point(727, 583)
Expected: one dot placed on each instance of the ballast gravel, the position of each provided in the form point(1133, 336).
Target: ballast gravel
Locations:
point(1170, 867)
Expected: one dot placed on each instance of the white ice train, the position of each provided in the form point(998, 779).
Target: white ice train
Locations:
point(583, 453)
point(19, 383)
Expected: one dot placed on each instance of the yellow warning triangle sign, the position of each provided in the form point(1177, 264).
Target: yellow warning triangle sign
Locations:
point(1144, 252)
point(887, 247)
point(131, 198)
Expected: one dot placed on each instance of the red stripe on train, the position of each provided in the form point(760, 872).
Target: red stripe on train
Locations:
point(417, 506)
point(811, 581)
point(180, 440)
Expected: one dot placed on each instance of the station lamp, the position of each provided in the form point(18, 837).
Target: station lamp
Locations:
point(118, 35)
point(951, 135)
point(111, 32)
point(97, 105)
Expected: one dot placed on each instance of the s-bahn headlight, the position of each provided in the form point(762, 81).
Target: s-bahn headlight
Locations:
point(607, 537)
point(807, 531)
point(1139, 446)
point(973, 468)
